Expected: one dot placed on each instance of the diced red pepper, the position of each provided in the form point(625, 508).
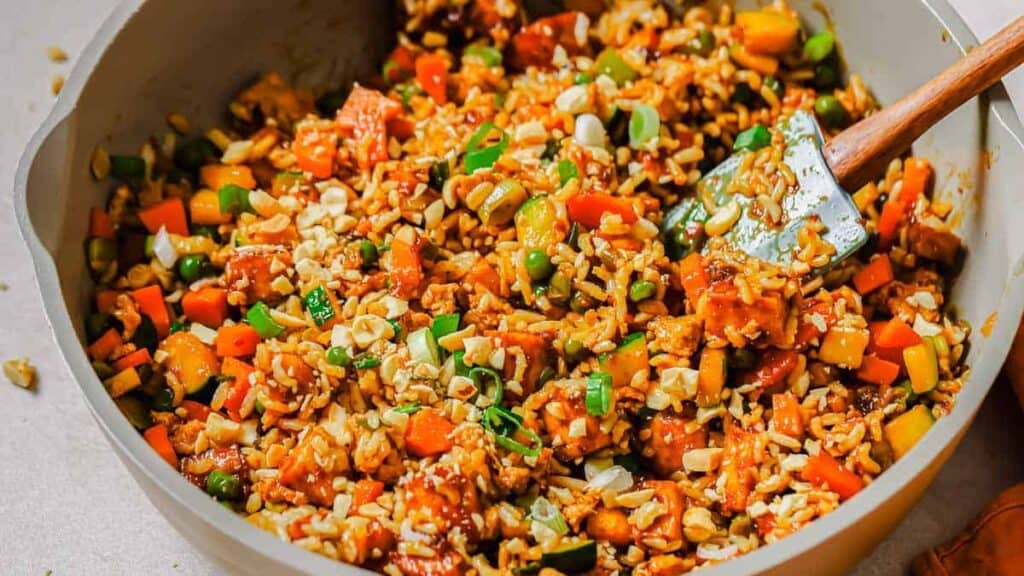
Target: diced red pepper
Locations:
point(535, 44)
point(824, 469)
point(876, 370)
point(432, 76)
point(896, 334)
point(239, 388)
point(400, 65)
point(406, 268)
point(158, 439)
point(99, 224)
point(772, 369)
point(874, 275)
point(588, 208)
point(196, 410)
point(237, 340)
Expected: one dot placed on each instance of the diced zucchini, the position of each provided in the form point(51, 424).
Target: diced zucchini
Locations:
point(922, 366)
point(906, 429)
point(135, 411)
point(713, 373)
point(573, 558)
point(628, 359)
point(423, 347)
point(537, 223)
point(844, 347)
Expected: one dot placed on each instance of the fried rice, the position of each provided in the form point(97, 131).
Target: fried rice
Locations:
point(429, 324)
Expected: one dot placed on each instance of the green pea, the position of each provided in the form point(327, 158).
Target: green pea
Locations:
point(741, 359)
point(559, 288)
point(540, 290)
point(701, 45)
point(223, 486)
point(775, 85)
point(642, 290)
point(208, 231)
point(368, 252)
point(581, 302)
point(338, 356)
point(538, 265)
point(825, 76)
point(190, 267)
point(574, 349)
point(163, 401)
point(753, 138)
point(583, 78)
point(819, 46)
point(831, 111)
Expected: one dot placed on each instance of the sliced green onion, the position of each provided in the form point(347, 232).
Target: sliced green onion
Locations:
point(543, 511)
point(445, 324)
point(410, 408)
point(233, 199)
point(644, 124)
point(612, 65)
point(479, 375)
point(127, 167)
point(630, 338)
point(319, 305)
point(259, 318)
point(396, 327)
point(478, 157)
point(753, 138)
point(459, 359)
point(423, 347)
point(390, 67)
point(505, 424)
point(641, 290)
point(819, 46)
point(489, 54)
point(583, 78)
point(599, 393)
point(222, 485)
point(365, 360)
point(567, 171)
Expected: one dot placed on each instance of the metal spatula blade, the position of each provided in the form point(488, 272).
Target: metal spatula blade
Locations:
point(818, 194)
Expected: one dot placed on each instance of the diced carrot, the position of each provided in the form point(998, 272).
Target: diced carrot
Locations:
point(772, 369)
point(216, 176)
point(204, 208)
point(824, 469)
point(196, 410)
point(105, 345)
point(156, 436)
point(874, 275)
point(427, 434)
point(897, 334)
point(137, 358)
point(875, 370)
point(240, 371)
point(208, 306)
point(400, 65)
point(366, 491)
point(99, 224)
point(364, 116)
point(105, 301)
point(406, 268)
point(151, 303)
point(916, 175)
point(432, 76)
point(484, 275)
point(768, 31)
point(588, 208)
point(237, 340)
point(786, 416)
point(693, 276)
point(315, 148)
point(169, 214)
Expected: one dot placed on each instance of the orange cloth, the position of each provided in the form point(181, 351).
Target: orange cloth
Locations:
point(993, 545)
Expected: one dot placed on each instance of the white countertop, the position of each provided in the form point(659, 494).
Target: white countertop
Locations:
point(67, 504)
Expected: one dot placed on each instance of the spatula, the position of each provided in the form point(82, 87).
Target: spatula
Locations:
point(825, 170)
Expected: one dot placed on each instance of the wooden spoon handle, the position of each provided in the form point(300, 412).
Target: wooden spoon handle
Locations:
point(862, 151)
